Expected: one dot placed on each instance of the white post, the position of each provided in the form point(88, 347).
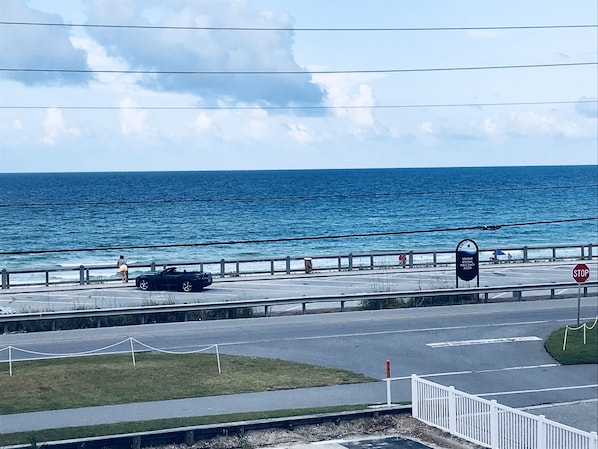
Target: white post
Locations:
point(388, 399)
point(452, 409)
point(414, 397)
point(493, 424)
point(10, 360)
point(541, 436)
point(594, 441)
point(132, 351)
point(565, 338)
point(218, 359)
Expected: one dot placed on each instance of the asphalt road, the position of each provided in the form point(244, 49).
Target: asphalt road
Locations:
point(67, 298)
point(494, 350)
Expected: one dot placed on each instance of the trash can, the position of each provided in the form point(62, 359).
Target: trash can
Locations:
point(308, 264)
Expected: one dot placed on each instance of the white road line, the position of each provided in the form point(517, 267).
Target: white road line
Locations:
point(444, 344)
point(540, 390)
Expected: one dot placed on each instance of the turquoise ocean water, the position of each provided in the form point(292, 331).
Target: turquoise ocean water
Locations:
point(95, 211)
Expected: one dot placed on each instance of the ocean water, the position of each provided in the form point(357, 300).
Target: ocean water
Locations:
point(252, 214)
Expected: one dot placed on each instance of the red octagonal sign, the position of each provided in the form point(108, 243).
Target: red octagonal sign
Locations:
point(581, 272)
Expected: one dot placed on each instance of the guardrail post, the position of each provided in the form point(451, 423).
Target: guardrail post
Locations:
point(237, 268)
point(222, 268)
point(585, 292)
point(153, 267)
point(47, 278)
point(434, 259)
point(552, 293)
point(288, 261)
point(371, 262)
point(583, 252)
point(81, 275)
point(590, 252)
point(303, 308)
point(342, 306)
point(410, 259)
point(525, 254)
point(340, 264)
point(350, 261)
point(4, 278)
point(553, 254)
point(272, 267)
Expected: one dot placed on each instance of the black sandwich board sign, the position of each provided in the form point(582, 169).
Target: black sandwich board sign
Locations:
point(467, 261)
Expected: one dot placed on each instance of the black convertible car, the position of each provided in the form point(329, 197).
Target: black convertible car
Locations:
point(171, 279)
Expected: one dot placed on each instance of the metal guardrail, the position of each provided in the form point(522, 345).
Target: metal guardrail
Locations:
point(100, 274)
point(267, 304)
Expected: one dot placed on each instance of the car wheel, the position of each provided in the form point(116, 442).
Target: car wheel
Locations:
point(144, 284)
point(187, 286)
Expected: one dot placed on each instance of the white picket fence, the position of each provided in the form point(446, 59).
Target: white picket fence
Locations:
point(489, 423)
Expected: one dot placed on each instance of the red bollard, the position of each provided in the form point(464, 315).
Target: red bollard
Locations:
point(387, 369)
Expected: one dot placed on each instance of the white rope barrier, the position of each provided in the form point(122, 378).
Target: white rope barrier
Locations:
point(583, 326)
point(99, 351)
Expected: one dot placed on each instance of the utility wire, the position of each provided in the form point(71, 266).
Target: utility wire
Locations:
point(494, 227)
point(207, 28)
point(269, 108)
point(294, 197)
point(295, 72)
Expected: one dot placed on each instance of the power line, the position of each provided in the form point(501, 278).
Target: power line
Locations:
point(241, 108)
point(494, 227)
point(215, 28)
point(295, 197)
point(295, 72)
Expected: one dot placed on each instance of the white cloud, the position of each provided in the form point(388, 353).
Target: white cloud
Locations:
point(534, 123)
point(301, 133)
point(55, 127)
point(203, 123)
point(133, 121)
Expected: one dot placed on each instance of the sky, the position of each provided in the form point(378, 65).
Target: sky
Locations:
point(339, 84)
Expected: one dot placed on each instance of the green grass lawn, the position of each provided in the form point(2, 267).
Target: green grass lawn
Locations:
point(112, 379)
point(576, 352)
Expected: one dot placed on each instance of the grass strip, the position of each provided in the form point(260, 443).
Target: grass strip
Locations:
point(113, 379)
point(576, 351)
point(153, 425)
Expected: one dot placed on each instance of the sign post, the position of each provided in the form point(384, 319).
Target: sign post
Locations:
point(581, 273)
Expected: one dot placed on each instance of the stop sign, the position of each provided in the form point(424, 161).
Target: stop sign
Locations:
point(581, 272)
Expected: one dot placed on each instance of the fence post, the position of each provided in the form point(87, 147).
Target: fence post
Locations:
point(525, 254)
point(4, 278)
point(81, 275)
point(452, 410)
point(541, 436)
point(414, 397)
point(288, 264)
point(410, 259)
point(594, 441)
point(590, 255)
point(153, 266)
point(350, 257)
point(494, 424)
point(222, 268)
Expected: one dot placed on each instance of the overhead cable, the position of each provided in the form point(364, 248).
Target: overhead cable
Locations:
point(330, 29)
point(296, 72)
point(297, 239)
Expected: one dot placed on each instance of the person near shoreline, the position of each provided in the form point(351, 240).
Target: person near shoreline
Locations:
point(122, 267)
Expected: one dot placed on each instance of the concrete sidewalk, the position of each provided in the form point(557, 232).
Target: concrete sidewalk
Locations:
point(368, 393)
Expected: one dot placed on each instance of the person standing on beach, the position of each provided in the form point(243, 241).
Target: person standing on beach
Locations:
point(122, 267)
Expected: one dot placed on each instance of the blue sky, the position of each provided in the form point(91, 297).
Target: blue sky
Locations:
point(94, 121)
